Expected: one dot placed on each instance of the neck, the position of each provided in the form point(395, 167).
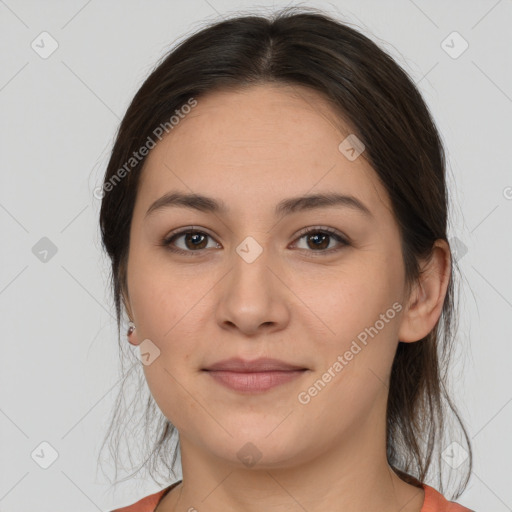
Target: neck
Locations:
point(352, 475)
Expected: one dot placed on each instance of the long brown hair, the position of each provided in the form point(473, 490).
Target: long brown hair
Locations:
point(382, 106)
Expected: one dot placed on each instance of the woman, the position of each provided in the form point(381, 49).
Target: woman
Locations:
point(275, 211)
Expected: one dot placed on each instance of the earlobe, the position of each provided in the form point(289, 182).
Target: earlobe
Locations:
point(427, 297)
point(131, 335)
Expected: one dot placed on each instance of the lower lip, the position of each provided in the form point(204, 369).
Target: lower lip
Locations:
point(254, 381)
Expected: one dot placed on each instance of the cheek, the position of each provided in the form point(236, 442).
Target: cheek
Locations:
point(171, 392)
point(159, 293)
point(358, 312)
point(342, 304)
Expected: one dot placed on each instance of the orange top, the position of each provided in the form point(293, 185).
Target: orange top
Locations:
point(434, 502)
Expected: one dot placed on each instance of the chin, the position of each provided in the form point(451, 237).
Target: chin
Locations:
point(257, 450)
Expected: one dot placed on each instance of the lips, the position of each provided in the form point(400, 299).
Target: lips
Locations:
point(258, 365)
point(253, 376)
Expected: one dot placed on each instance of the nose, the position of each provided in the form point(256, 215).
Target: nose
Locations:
point(253, 298)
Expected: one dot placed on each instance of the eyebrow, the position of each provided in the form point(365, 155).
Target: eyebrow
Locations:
point(284, 207)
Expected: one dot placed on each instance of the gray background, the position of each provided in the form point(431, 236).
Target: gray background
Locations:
point(59, 371)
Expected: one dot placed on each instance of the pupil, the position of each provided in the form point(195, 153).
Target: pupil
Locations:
point(195, 237)
point(317, 237)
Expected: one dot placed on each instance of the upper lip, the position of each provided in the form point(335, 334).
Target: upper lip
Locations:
point(263, 364)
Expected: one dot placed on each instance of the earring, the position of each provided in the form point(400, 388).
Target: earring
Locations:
point(131, 328)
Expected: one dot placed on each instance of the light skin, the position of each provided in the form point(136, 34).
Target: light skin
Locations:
point(305, 305)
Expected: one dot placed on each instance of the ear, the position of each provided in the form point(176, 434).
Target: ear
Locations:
point(427, 298)
point(126, 304)
point(123, 287)
point(132, 338)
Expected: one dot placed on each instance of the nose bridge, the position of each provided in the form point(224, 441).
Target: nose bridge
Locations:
point(251, 296)
point(251, 263)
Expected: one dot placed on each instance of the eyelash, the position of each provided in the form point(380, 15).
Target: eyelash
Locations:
point(167, 241)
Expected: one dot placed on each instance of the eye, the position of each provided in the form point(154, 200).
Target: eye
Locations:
point(317, 238)
point(193, 239)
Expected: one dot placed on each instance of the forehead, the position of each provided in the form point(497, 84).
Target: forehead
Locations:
point(259, 144)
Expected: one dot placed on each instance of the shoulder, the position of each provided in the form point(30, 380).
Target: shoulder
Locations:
point(148, 503)
point(436, 502)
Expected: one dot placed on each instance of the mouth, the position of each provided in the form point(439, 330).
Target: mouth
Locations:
point(253, 376)
point(251, 382)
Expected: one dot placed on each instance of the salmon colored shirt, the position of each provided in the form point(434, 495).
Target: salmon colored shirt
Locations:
point(434, 502)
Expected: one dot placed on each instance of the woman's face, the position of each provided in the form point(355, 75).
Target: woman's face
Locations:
point(251, 284)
